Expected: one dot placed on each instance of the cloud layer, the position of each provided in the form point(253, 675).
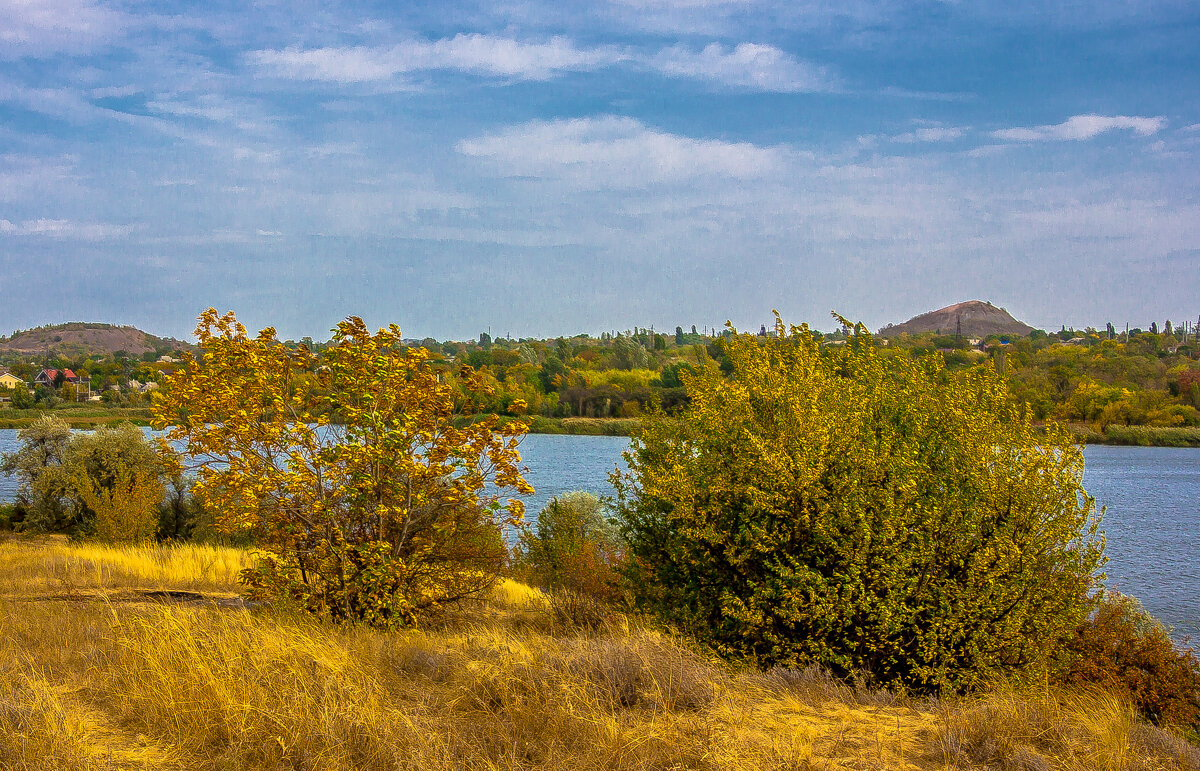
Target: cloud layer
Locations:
point(748, 66)
point(602, 164)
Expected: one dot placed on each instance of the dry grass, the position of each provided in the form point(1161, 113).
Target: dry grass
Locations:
point(90, 684)
point(54, 566)
point(1085, 731)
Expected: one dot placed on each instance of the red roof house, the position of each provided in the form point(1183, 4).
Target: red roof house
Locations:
point(47, 377)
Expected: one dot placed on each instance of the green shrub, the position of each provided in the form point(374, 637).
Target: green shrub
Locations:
point(872, 514)
point(1124, 649)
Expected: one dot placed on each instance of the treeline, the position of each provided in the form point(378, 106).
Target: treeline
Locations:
point(1099, 377)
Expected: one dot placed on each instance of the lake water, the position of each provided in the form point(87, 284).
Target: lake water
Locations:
point(1151, 495)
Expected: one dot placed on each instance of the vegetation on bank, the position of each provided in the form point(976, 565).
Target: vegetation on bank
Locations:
point(77, 416)
point(1147, 436)
point(1098, 378)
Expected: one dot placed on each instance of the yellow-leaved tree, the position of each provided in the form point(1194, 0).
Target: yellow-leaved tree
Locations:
point(879, 516)
point(346, 468)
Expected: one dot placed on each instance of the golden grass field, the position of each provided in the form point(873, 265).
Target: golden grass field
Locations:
point(136, 658)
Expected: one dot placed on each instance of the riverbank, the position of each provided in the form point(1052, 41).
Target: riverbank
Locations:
point(77, 415)
point(144, 658)
point(1137, 436)
point(89, 416)
point(571, 426)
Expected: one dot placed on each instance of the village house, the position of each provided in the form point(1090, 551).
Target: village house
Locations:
point(9, 380)
point(47, 377)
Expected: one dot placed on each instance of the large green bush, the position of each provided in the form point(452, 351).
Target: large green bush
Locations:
point(876, 515)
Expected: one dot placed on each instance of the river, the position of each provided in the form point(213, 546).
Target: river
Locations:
point(1151, 496)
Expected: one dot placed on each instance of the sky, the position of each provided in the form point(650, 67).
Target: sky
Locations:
point(535, 169)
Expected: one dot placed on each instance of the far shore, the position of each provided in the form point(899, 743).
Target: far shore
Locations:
point(90, 416)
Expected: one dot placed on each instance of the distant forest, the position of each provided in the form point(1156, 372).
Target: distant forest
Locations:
point(1096, 377)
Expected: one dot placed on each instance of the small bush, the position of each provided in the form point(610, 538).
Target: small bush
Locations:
point(1122, 648)
point(572, 546)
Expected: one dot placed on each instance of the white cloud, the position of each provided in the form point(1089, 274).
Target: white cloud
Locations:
point(340, 65)
point(501, 56)
point(41, 28)
point(617, 152)
point(1081, 127)
point(930, 134)
point(63, 229)
point(475, 53)
point(748, 65)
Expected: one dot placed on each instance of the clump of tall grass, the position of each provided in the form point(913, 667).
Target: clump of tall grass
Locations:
point(1089, 729)
point(244, 692)
point(55, 565)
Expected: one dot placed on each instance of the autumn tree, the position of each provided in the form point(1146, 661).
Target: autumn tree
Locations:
point(41, 480)
point(874, 514)
point(365, 500)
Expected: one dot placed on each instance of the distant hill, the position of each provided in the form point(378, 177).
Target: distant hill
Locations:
point(79, 338)
point(977, 319)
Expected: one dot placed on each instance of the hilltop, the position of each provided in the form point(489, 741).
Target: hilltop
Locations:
point(977, 319)
point(87, 339)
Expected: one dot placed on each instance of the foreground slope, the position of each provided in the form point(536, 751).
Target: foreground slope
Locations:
point(98, 671)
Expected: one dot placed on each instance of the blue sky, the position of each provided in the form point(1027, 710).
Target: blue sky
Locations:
point(539, 169)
